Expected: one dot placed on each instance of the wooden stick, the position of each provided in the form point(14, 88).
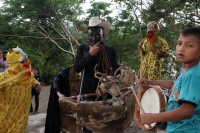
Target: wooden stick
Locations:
point(138, 102)
point(94, 94)
point(137, 99)
point(140, 86)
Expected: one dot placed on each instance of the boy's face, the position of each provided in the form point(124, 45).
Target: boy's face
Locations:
point(188, 49)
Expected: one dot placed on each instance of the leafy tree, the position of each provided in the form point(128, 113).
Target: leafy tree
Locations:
point(168, 14)
point(49, 32)
point(40, 28)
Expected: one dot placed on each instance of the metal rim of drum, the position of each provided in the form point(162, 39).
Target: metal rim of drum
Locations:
point(162, 103)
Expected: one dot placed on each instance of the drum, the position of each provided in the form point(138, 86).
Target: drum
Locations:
point(153, 100)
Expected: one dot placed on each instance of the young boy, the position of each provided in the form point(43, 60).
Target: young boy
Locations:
point(183, 109)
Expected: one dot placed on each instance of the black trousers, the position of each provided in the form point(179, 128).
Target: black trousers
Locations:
point(36, 102)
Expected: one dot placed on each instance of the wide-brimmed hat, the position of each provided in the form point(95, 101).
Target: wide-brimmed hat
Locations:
point(96, 22)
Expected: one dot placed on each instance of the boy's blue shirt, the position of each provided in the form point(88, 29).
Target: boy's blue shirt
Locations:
point(186, 89)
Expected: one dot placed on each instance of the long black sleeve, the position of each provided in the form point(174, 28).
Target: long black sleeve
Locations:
point(82, 58)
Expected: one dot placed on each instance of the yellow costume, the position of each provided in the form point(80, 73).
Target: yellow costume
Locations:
point(151, 61)
point(15, 97)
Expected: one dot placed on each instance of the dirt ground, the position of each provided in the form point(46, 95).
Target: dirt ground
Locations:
point(36, 122)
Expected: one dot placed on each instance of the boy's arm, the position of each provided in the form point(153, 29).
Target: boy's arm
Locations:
point(163, 83)
point(185, 111)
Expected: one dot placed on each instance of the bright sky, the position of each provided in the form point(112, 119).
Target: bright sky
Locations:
point(87, 2)
point(1, 3)
point(86, 6)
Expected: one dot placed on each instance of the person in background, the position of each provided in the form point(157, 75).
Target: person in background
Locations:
point(152, 50)
point(3, 63)
point(36, 93)
point(4, 54)
point(92, 53)
point(15, 92)
point(183, 108)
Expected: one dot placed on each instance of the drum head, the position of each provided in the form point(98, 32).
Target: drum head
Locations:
point(152, 101)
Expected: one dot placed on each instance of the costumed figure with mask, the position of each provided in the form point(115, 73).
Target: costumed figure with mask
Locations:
point(152, 49)
point(15, 92)
point(92, 53)
point(89, 112)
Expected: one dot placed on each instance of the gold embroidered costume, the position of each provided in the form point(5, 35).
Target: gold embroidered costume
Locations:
point(151, 60)
point(15, 97)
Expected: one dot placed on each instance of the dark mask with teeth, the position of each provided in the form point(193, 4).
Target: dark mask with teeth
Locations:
point(95, 35)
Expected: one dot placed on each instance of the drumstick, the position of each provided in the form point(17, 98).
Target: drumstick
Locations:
point(140, 86)
point(137, 99)
point(140, 105)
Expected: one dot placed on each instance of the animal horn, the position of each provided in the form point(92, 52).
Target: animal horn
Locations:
point(118, 70)
point(98, 73)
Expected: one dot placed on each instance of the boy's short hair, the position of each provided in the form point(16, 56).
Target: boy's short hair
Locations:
point(192, 31)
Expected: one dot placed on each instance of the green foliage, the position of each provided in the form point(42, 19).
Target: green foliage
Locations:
point(29, 23)
point(22, 23)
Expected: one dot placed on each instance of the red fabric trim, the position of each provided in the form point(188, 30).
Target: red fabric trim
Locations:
point(28, 67)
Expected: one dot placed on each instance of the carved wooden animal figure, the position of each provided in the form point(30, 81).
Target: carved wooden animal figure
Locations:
point(107, 85)
point(99, 116)
point(95, 116)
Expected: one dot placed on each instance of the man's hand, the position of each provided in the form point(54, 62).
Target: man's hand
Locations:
point(38, 87)
point(153, 48)
point(94, 49)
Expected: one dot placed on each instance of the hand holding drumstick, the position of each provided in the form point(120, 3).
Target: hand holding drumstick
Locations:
point(138, 99)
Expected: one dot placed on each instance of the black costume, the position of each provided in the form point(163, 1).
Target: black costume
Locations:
point(84, 61)
point(61, 84)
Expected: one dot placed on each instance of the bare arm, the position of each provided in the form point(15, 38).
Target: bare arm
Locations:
point(165, 84)
point(183, 112)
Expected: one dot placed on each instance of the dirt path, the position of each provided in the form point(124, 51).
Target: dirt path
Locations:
point(36, 122)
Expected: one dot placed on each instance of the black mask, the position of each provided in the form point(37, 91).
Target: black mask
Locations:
point(95, 35)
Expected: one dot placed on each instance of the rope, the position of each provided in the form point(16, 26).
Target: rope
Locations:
point(105, 62)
